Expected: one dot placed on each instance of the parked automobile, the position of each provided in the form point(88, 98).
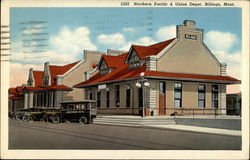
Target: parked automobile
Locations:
point(79, 111)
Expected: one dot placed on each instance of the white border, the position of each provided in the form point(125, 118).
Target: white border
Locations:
point(119, 154)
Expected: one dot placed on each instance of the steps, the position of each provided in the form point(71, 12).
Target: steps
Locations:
point(134, 120)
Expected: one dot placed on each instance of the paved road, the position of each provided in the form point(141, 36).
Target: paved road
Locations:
point(232, 124)
point(39, 135)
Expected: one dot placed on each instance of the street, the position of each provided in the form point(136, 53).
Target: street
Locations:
point(39, 135)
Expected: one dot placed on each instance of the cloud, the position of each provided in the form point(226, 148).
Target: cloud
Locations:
point(65, 46)
point(233, 61)
point(220, 41)
point(220, 44)
point(40, 58)
point(128, 29)
point(71, 41)
point(19, 73)
point(111, 39)
point(165, 33)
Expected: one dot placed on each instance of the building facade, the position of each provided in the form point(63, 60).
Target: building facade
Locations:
point(184, 77)
point(47, 88)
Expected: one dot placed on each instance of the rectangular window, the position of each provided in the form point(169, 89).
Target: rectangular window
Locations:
point(54, 97)
point(117, 96)
point(90, 96)
point(215, 91)
point(201, 95)
point(107, 98)
point(128, 93)
point(162, 87)
point(98, 99)
point(177, 95)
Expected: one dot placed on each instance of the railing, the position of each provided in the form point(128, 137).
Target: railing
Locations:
point(168, 111)
point(196, 111)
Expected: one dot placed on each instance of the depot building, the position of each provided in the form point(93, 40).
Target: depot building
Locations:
point(176, 76)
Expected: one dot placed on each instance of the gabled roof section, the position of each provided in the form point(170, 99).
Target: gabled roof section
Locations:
point(144, 51)
point(122, 72)
point(114, 61)
point(38, 76)
point(59, 70)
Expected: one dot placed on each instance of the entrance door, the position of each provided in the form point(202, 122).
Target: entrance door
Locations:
point(140, 100)
point(162, 98)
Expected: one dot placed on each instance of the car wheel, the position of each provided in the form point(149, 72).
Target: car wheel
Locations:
point(46, 119)
point(55, 119)
point(83, 120)
point(25, 118)
point(18, 117)
point(30, 118)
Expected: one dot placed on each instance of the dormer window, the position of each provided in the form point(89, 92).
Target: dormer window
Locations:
point(188, 36)
point(104, 69)
point(134, 61)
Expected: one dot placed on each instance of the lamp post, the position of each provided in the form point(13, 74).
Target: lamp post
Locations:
point(141, 82)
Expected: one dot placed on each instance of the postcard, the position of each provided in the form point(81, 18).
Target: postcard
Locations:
point(124, 79)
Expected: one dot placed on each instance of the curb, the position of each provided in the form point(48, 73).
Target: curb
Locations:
point(171, 129)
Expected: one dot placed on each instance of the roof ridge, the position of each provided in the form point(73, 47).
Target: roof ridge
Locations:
point(161, 42)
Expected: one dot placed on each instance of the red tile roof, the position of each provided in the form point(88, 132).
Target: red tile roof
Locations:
point(59, 87)
point(114, 61)
point(38, 76)
point(122, 72)
point(59, 70)
point(54, 87)
point(15, 97)
point(169, 75)
point(126, 74)
point(16, 90)
point(154, 49)
point(16, 93)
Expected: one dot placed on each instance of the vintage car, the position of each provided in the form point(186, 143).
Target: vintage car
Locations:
point(49, 114)
point(21, 115)
point(34, 114)
point(79, 111)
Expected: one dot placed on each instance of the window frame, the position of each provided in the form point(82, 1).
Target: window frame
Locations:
point(117, 96)
point(178, 90)
point(98, 99)
point(128, 96)
point(107, 98)
point(216, 92)
point(202, 91)
point(162, 88)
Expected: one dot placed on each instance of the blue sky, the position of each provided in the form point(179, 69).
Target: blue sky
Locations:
point(71, 30)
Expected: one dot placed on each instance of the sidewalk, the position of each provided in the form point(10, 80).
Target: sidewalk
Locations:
point(199, 129)
point(166, 122)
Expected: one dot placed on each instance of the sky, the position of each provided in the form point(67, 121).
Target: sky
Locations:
point(66, 32)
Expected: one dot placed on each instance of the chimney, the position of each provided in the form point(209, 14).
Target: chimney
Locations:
point(151, 63)
point(188, 32)
point(31, 78)
point(189, 24)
